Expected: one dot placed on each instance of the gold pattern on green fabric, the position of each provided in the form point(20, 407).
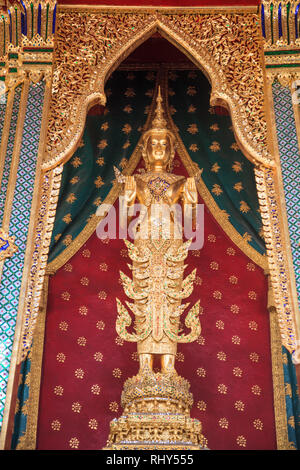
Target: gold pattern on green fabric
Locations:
point(208, 137)
point(109, 139)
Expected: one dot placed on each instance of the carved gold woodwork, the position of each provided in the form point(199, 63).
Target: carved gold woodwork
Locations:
point(91, 44)
point(281, 45)
point(225, 46)
point(156, 416)
point(7, 245)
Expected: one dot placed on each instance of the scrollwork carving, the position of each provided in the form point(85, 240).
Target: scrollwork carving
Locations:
point(86, 44)
point(92, 44)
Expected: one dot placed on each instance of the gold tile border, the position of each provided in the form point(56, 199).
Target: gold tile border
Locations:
point(297, 118)
point(28, 440)
point(281, 211)
point(160, 9)
point(14, 163)
point(5, 131)
point(21, 315)
point(15, 156)
point(278, 384)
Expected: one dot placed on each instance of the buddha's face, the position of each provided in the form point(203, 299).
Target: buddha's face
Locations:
point(158, 149)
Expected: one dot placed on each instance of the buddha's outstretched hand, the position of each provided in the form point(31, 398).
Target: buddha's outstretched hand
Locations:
point(190, 191)
point(130, 190)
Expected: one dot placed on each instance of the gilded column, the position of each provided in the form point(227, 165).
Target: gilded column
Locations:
point(26, 70)
point(280, 28)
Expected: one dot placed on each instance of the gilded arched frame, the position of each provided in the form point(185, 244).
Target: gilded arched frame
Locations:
point(216, 42)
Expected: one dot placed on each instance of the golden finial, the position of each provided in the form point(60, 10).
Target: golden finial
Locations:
point(159, 122)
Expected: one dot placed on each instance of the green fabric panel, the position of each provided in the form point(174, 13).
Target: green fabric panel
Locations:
point(292, 400)
point(209, 139)
point(20, 422)
point(108, 140)
point(270, 53)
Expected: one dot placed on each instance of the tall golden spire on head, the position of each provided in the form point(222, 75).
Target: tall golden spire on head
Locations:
point(159, 121)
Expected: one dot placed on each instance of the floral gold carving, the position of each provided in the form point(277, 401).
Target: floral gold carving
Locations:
point(218, 43)
point(7, 245)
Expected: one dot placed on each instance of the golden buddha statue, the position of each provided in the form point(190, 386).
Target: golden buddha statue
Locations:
point(156, 405)
point(158, 252)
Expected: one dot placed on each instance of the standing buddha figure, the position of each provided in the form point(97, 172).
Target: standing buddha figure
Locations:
point(157, 404)
point(157, 286)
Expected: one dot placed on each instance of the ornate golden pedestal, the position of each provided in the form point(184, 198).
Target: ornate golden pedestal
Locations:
point(156, 416)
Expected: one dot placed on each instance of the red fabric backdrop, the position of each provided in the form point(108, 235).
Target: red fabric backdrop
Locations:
point(229, 367)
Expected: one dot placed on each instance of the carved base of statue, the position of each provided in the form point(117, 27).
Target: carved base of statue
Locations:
point(156, 415)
